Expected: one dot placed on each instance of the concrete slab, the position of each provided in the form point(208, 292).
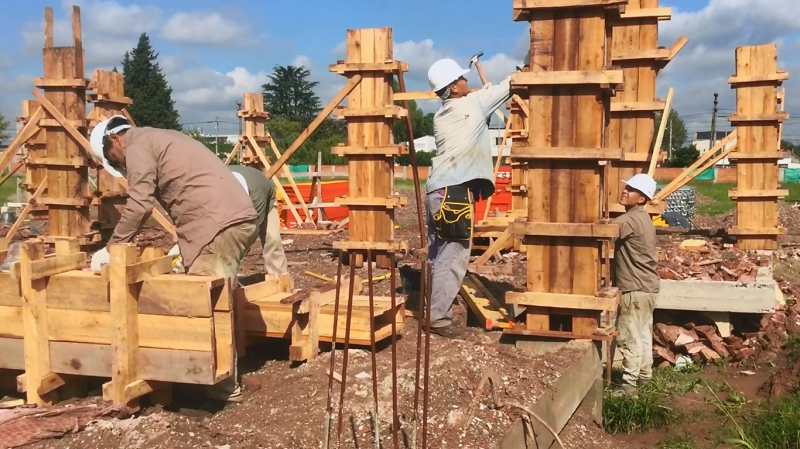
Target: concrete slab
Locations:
point(759, 296)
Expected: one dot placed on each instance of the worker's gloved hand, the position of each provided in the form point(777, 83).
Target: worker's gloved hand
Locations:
point(175, 251)
point(99, 259)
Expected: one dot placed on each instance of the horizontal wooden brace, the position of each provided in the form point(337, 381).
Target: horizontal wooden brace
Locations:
point(776, 117)
point(66, 162)
point(73, 202)
point(638, 106)
point(42, 82)
point(778, 193)
point(588, 230)
point(387, 112)
point(52, 123)
point(256, 138)
point(756, 231)
point(641, 157)
point(423, 95)
point(389, 67)
point(388, 151)
point(562, 301)
point(778, 77)
point(102, 98)
point(374, 246)
point(388, 203)
point(141, 271)
point(658, 209)
point(736, 155)
point(658, 53)
point(566, 153)
point(647, 13)
point(561, 78)
point(253, 114)
point(49, 383)
point(552, 4)
point(51, 266)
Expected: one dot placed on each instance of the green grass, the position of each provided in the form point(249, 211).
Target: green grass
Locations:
point(793, 347)
point(407, 185)
point(722, 204)
point(7, 191)
point(677, 441)
point(777, 428)
point(794, 192)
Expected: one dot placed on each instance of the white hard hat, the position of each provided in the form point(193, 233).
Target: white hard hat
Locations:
point(241, 180)
point(443, 72)
point(644, 184)
point(118, 123)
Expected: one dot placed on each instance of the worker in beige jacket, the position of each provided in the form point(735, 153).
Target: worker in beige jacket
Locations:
point(214, 218)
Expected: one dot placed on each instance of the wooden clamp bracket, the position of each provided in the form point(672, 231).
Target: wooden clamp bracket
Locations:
point(388, 67)
point(777, 193)
point(566, 153)
point(608, 302)
point(387, 112)
point(522, 7)
point(638, 106)
point(588, 230)
point(658, 53)
point(779, 117)
point(388, 151)
point(388, 203)
point(77, 83)
point(566, 78)
point(737, 155)
point(647, 13)
point(778, 77)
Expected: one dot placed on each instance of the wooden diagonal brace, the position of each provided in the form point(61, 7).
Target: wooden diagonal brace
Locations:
point(288, 174)
point(275, 181)
point(31, 203)
point(25, 133)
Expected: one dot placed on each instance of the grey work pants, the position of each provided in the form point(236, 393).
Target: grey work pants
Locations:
point(635, 340)
point(449, 261)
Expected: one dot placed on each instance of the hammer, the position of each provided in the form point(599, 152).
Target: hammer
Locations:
point(475, 59)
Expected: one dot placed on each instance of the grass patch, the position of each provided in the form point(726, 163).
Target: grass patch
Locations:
point(793, 347)
point(8, 190)
point(794, 192)
point(721, 204)
point(778, 428)
point(677, 441)
point(407, 185)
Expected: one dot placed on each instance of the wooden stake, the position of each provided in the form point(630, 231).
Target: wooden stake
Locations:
point(34, 319)
point(657, 147)
point(351, 84)
point(125, 324)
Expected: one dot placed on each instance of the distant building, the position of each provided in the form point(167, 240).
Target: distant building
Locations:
point(702, 141)
point(428, 143)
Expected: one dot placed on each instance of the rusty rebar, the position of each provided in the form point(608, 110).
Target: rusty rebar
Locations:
point(346, 342)
point(329, 406)
point(393, 294)
point(377, 422)
point(426, 373)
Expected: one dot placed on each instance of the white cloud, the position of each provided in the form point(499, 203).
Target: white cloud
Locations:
point(109, 18)
point(202, 28)
point(17, 84)
point(419, 56)
point(302, 61)
point(497, 67)
point(204, 93)
point(170, 64)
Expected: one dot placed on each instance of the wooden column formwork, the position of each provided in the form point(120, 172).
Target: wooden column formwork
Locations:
point(109, 100)
point(370, 149)
point(568, 88)
point(35, 150)
point(757, 122)
point(254, 118)
point(633, 47)
point(64, 84)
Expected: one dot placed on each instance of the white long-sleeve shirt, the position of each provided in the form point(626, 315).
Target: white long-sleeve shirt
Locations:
point(463, 149)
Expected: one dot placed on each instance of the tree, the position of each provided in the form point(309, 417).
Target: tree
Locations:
point(4, 135)
point(222, 148)
point(147, 87)
point(675, 132)
point(330, 133)
point(683, 157)
point(289, 94)
point(789, 147)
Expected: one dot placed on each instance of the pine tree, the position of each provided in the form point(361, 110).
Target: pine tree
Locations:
point(147, 87)
point(289, 94)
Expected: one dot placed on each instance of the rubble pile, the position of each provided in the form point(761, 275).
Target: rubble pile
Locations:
point(709, 261)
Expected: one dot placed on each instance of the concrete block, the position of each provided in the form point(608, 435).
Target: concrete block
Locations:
point(703, 296)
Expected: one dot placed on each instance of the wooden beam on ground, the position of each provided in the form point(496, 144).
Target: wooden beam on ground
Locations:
point(323, 115)
point(660, 137)
point(495, 247)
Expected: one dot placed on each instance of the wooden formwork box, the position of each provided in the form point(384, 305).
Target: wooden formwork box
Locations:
point(370, 149)
point(109, 100)
point(757, 122)
point(568, 87)
point(132, 324)
point(270, 309)
point(255, 134)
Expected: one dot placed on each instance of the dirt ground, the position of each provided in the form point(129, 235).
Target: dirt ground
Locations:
point(284, 405)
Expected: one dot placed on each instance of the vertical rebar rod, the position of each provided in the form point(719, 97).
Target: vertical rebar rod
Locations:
point(393, 294)
point(329, 406)
point(377, 422)
point(426, 373)
point(346, 343)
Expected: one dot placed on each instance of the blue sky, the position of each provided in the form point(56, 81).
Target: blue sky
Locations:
point(212, 52)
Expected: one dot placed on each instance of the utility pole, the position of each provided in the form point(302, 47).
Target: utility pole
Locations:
point(239, 119)
point(216, 136)
point(669, 150)
point(714, 121)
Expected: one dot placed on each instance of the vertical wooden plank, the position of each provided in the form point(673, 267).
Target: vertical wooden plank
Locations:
point(48, 27)
point(125, 327)
point(34, 321)
point(540, 105)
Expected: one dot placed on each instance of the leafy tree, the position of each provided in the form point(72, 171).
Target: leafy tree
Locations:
point(683, 157)
point(4, 135)
point(289, 94)
point(330, 133)
point(675, 132)
point(222, 149)
point(424, 159)
point(148, 88)
point(789, 146)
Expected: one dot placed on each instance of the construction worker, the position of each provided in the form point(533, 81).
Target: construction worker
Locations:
point(462, 172)
point(215, 220)
point(262, 194)
point(637, 280)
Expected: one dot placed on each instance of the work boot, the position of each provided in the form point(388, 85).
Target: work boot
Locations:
point(622, 391)
point(451, 331)
point(643, 382)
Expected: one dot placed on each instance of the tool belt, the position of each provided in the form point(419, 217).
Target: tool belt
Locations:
point(454, 220)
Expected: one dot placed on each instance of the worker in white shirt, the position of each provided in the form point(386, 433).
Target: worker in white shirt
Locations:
point(462, 173)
